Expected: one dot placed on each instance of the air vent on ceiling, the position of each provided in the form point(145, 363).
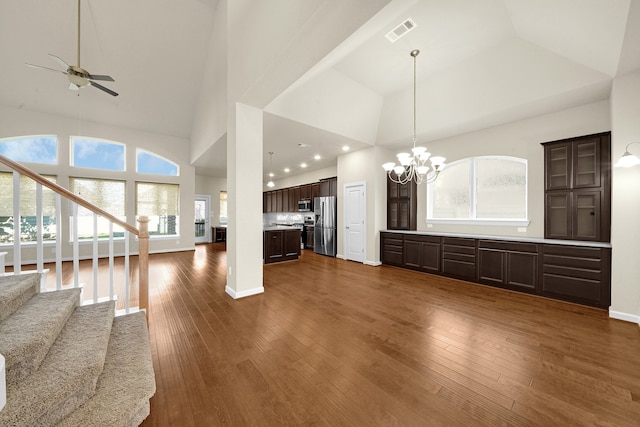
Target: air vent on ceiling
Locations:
point(401, 30)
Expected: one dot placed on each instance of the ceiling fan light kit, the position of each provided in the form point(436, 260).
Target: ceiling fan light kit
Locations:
point(79, 77)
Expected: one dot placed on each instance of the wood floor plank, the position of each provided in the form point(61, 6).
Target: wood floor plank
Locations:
point(336, 343)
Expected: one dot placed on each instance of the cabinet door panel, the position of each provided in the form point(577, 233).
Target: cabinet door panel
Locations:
point(522, 270)
point(586, 160)
point(273, 246)
point(586, 215)
point(411, 251)
point(558, 215)
point(558, 166)
point(430, 257)
point(291, 243)
point(491, 266)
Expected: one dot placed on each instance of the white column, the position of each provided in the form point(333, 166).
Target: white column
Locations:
point(244, 192)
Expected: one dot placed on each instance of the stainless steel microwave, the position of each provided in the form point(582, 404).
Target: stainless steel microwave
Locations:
point(304, 205)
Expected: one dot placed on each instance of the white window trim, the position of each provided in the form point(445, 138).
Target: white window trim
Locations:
point(503, 222)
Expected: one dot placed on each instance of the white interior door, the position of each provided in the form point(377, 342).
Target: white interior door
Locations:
point(201, 222)
point(355, 215)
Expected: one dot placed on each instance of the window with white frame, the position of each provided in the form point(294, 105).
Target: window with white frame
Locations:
point(161, 204)
point(92, 153)
point(32, 149)
point(150, 163)
point(484, 190)
point(28, 210)
point(108, 195)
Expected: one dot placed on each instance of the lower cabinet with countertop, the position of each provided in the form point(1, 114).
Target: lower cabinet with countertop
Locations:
point(578, 272)
point(281, 244)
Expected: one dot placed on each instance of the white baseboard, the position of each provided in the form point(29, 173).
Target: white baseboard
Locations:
point(340, 256)
point(633, 318)
point(3, 387)
point(242, 294)
point(372, 263)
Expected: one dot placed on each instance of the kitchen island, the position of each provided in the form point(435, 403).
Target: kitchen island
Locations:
point(281, 243)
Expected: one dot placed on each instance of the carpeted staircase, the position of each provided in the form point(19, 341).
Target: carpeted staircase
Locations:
point(71, 365)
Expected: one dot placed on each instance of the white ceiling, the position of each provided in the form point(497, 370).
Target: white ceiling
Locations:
point(482, 63)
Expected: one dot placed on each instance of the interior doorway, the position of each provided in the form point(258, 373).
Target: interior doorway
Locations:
point(355, 221)
point(202, 213)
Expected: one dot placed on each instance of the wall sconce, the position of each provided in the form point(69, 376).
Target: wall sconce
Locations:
point(627, 160)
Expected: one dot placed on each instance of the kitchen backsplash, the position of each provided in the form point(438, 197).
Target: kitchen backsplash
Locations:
point(289, 218)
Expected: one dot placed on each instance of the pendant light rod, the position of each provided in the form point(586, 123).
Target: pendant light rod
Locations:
point(79, 34)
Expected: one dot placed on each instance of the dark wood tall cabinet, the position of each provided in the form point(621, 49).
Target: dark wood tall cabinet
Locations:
point(402, 205)
point(578, 188)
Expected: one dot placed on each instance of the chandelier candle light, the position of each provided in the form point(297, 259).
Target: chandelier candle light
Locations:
point(413, 166)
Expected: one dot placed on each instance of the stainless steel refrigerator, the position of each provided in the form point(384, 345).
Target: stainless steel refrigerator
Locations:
point(324, 233)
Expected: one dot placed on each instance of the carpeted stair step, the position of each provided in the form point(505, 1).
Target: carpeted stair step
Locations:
point(27, 335)
point(68, 375)
point(127, 381)
point(15, 290)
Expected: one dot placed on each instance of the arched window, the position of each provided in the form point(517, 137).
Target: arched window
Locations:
point(92, 153)
point(31, 149)
point(150, 163)
point(485, 190)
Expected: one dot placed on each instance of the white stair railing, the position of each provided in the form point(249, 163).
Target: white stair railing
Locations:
point(99, 291)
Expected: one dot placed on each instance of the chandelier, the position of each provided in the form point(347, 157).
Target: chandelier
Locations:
point(413, 166)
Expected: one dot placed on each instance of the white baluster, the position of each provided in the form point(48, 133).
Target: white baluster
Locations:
point(17, 261)
point(127, 284)
point(76, 247)
point(95, 258)
point(58, 242)
point(111, 296)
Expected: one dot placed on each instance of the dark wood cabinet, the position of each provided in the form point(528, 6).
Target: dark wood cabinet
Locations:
point(578, 188)
point(422, 253)
point(577, 274)
point(285, 200)
point(510, 265)
point(459, 257)
point(281, 245)
point(402, 205)
point(328, 187)
point(392, 249)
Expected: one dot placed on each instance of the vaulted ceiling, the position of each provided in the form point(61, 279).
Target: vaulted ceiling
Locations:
point(482, 63)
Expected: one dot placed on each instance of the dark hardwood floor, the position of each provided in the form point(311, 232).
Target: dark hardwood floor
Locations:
point(336, 343)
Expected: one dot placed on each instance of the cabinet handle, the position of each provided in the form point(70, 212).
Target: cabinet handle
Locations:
point(592, 213)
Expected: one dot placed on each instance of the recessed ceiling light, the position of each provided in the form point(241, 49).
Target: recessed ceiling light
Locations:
point(303, 165)
point(303, 145)
point(271, 175)
point(287, 170)
point(345, 148)
point(317, 157)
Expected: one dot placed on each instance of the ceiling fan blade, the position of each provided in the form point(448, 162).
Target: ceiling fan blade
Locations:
point(100, 77)
point(40, 67)
point(59, 61)
point(102, 88)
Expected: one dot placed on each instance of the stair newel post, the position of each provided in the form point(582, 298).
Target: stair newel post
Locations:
point(143, 264)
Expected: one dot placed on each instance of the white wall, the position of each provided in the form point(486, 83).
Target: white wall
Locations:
point(206, 185)
point(625, 229)
point(14, 122)
point(519, 139)
point(364, 166)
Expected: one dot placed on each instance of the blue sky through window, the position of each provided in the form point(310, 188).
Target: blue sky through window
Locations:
point(150, 163)
point(32, 149)
point(95, 154)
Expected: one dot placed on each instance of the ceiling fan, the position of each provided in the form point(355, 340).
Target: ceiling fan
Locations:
point(79, 77)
